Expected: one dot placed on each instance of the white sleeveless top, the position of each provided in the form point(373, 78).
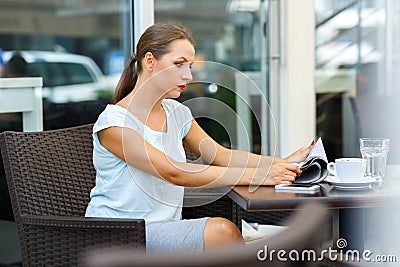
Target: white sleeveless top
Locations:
point(123, 191)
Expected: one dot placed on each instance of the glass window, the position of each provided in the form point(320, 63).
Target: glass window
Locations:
point(227, 35)
point(76, 73)
point(78, 47)
point(39, 69)
point(357, 70)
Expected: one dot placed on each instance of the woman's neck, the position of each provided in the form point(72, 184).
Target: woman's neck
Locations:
point(143, 99)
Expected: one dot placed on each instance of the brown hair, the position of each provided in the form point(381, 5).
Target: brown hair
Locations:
point(155, 39)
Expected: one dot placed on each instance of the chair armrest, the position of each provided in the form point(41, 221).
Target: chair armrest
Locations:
point(65, 238)
point(83, 222)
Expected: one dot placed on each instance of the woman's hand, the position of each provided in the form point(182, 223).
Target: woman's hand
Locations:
point(300, 154)
point(278, 173)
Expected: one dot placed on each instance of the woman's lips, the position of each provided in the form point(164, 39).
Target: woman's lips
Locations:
point(182, 87)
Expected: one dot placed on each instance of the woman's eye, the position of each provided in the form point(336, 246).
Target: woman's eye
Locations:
point(179, 64)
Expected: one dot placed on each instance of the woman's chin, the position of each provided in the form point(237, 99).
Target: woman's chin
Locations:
point(173, 94)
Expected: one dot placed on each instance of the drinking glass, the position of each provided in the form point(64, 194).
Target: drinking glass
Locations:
point(375, 151)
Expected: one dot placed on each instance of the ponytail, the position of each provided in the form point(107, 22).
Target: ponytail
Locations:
point(127, 81)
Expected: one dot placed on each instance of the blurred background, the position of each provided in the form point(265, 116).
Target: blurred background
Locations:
point(356, 50)
point(80, 49)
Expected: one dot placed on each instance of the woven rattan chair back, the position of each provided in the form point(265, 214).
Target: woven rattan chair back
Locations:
point(51, 172)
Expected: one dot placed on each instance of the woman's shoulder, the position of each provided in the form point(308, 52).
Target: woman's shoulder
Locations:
point(113, 112)
point(112, 115)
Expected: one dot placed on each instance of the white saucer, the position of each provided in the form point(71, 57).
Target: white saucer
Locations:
point(338, 183)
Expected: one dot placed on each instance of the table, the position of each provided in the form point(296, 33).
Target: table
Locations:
point(266, 199)
point(23, 95)
point(348, 205)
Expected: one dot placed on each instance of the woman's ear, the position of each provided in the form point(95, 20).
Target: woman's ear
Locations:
point(148, 61)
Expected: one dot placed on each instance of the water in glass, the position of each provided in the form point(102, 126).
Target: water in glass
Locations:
point(375, 152)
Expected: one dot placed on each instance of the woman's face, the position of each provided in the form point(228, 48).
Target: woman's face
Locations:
point(173, 70)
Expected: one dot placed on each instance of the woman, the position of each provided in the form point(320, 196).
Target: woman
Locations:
point(139, 156)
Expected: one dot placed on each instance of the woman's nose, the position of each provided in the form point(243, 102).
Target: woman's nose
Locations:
point(187, 75)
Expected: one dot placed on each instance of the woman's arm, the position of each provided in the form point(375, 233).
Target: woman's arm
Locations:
point(204, 146)
point(129, 146)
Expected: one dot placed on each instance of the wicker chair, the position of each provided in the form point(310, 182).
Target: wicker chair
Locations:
point(50, 175)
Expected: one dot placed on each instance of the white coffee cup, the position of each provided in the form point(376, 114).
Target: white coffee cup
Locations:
point(348, 169)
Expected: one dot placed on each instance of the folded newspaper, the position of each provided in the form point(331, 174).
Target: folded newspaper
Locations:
point(314, 168)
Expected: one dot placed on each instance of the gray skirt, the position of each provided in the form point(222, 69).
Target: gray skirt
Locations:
point(176, 236)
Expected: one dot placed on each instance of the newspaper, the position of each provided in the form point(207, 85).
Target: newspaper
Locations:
point(314, 167)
